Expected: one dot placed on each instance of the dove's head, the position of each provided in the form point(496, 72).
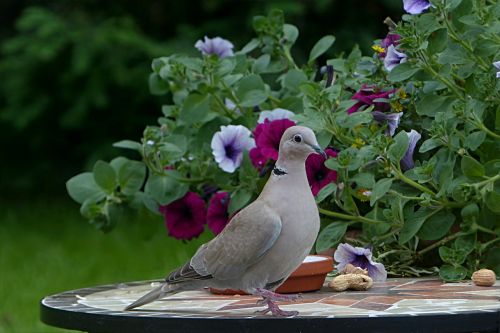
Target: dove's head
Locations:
point(298, 142)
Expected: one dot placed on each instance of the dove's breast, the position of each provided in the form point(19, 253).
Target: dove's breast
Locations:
point(300, 225)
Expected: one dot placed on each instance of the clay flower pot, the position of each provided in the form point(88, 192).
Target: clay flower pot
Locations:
point(309, 276)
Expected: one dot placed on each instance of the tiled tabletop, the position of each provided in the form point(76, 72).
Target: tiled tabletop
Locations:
point(396, 300)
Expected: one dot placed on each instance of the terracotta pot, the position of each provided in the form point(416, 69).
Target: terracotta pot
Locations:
point(309, 276)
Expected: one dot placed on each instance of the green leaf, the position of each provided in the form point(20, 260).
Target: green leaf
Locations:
point(325, 192)
point(156, 85)
point(398, 149)
point(321, 47)
point(493, 201)
point(131, 177)
point(474, 140)
point(364, 179)
point(437, 226)
point(164, 189)
point(453, 55)
point(128, 144)
point(251, 45)
point(253, 98)
point(174, 147)
point(402, 72)
point(83, 187)
point(429, 105)
point(105, 176)
point(260, 65)
point(430, 144)
point(239, 199)
point(437, 41)
point(471, 168)
point(330, 236)
point(380, 189)
point(291, 33)
point(251, 91)
point(118, 162)
point(451, 273)
point(195, 108)
point(293, 79)
point(413, 223)
point(354, 119)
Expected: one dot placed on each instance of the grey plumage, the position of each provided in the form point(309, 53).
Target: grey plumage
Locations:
point(266, 241)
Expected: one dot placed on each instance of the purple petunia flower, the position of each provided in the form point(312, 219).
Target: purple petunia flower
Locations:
point(275, 114)
point(232, 106)
point(359, 257)
point(416, 6)
point(407, 160)
point(218, 46)
point(228, 145)
point(185, 218)
point(367, 95)
point(217, 213)
point(393, 58)
point(267, 138)
point(392, 120)
point(497, 66)
point(318, 175)
point(390, 39)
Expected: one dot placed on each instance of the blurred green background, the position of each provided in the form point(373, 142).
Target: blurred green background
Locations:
point(73, 80)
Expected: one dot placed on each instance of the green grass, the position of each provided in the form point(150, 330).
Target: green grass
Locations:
point(47, 247)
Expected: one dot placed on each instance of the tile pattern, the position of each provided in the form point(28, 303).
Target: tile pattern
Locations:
point(395, 297)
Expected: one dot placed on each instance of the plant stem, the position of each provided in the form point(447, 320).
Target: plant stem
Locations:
point(347, 216)
point(412, 183)
point(288, 57)
point(457, 39)
point(441, 242)
point(488, 131)
point(484, 182)
point(484, 229)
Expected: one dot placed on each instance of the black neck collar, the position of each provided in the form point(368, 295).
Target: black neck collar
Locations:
point(278, 171)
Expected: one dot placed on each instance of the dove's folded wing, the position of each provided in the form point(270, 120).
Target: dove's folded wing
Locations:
point(249, 235)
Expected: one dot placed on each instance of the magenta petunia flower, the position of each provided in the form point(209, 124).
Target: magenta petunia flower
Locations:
point(407, 160)
point(390, 39)
point(217, 46)
point(393, 58)
point(267, 139)
point(217, 214)
point(416, 6)
point(392, 120)
point(367, 95)
point(359, 257)
point(318, 175)
point(185, 218)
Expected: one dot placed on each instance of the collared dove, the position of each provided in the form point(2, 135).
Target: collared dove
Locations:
point(263, 243)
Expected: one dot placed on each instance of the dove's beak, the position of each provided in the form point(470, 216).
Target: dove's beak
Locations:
point(319, 151)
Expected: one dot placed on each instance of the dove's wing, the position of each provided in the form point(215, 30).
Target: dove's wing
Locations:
point(249, 235)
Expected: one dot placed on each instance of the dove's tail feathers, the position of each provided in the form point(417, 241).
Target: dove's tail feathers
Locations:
point(155, 294)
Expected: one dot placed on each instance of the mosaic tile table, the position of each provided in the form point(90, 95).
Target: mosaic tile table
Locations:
point(397, 305)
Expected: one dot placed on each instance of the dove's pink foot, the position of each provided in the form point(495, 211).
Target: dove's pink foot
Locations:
point(270, 298)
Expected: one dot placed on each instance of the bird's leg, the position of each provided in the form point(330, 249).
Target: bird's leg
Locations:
point(275, 296)
point(270, 298)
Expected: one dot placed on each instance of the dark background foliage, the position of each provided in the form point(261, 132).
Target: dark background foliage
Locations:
point(73, 74)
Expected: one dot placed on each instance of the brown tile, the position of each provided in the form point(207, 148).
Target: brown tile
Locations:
point(370, 306)
point(339, 301)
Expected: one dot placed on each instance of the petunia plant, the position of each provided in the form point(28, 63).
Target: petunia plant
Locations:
point(411, 131)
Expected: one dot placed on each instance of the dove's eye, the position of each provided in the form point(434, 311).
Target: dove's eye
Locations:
point(297, 138)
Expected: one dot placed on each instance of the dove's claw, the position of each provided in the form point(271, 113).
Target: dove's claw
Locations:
point(270, 298)
point(274, 309)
